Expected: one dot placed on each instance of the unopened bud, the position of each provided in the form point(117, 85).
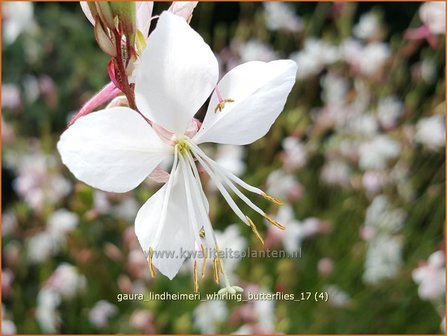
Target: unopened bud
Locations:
point(127, 16)
point(105, 13)
point(92, 7)
point(104, 41)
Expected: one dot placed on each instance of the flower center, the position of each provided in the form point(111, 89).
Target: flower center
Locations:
point(182, 146)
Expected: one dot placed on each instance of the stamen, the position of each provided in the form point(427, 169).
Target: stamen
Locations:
point(196, 277)
point(221, 105)
point(219, 96)
point(189, 200)
point(216, 270)
point(222, 189)
point(151, 265)
point(182, 146)
point(220, 265)
point(216, 167)
point(196, 177)
point(274, 222)
point(255, 230)
point(202, 233)
point(204, 261)
point(272, 199)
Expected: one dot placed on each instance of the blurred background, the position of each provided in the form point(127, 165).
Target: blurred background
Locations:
point(358, 156)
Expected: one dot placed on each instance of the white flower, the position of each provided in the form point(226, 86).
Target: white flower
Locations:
point(383, 259)
point(245, 329)
point(265, 312)
point(381, 218)
point(367, 27)
point(279, 15)
point(258, 314)
point(254, 50)
point(8, 133)
point(337, 296)
point(208, 315)
point(373, 181)
point(101, 312)
point(175, 77)
point(66, 281)
point(8, 327)
point(232, 240)
point(45, 244)
point(362, 124)
point(60, 223)
point(373, 57)
point(334, 89)
point(38, 183)
point(183, 9)
point(315, 55)
point(367, 59)
point(11, 98)
point(297, 230)
point(17, 18)
point(432, 14)
point(389, 110)
point(46, 314)
point(374, 154)
point(336, 172)
point(282, 185)
point(294, 155)
point(428, 70)
point(431, 277)
point(9, 222)
point(125, 209)
point(430, 132)
point(40, 247)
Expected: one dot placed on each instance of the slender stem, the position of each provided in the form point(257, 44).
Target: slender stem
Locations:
point(127, 89)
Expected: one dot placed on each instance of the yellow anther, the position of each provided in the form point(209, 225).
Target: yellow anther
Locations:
point(149, 261)
point(219, 261)
point(274, 222)
point(255, 230)
point(196, 277)
point(220, 106)
point(272, 199)
point(216, 270)
point(202, 233)
point(204, 261)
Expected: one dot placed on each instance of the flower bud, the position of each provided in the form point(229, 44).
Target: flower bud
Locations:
point(126, 13)
point(104, 41)
point(105, 13)
point(92, 8)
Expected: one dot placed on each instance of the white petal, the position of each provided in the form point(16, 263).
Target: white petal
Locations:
point(183, 9)
point(144, 14)
point(112, 150)
point(176, 233)
point(175, 75)
point(259, 91)
point(87, 12)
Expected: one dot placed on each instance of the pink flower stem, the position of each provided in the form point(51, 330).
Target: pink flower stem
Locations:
point(219, 97)
point(107, 93)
